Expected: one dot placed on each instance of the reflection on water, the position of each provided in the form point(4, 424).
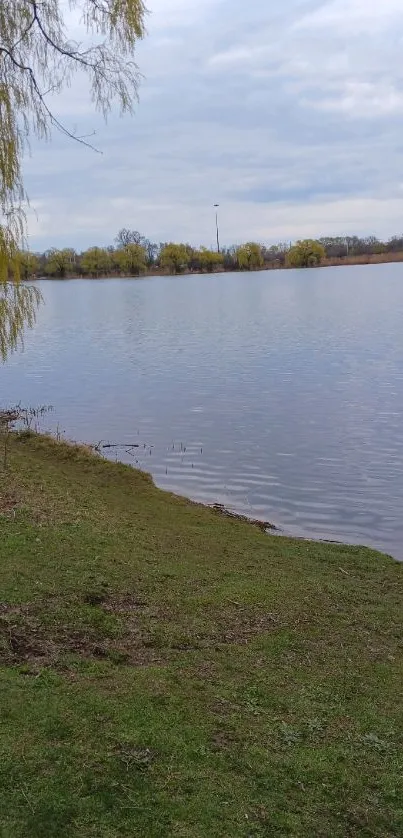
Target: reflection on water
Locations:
point(279, 394)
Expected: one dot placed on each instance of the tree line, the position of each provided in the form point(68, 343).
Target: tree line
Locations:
point(134, 255)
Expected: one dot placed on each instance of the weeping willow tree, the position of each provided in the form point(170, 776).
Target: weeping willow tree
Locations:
point(37, 61)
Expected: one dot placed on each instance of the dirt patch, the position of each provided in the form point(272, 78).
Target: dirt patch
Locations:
point(31, 644)
point(128, 604)
point(136, 758)
point(241, 626)
point(223, 740)
point(224, 708)
point(26, 639)
point(147, 633)
point(8, 503)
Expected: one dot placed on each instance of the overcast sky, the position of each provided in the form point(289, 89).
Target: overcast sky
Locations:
point(288, 114)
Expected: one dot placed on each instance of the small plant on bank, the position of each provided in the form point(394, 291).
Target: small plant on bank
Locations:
point(25, 418)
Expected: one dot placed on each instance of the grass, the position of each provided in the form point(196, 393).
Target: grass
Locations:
point(168, 672)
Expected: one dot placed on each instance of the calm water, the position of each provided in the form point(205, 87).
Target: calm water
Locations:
point(279, 394)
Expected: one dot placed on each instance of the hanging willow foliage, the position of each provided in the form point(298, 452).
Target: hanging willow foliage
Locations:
point(18, 302)
point(18, 306)
point(38, 59)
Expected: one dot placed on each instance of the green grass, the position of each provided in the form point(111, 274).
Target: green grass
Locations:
point(169, 672)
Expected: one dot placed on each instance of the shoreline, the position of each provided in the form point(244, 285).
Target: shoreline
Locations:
point(377, 259)
point(217, 507)
point(235, 514)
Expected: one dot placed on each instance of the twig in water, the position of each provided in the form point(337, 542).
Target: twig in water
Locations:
point(119, 445)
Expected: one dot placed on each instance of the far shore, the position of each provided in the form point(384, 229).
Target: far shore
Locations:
point(343, 261)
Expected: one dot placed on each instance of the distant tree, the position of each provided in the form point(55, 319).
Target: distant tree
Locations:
point(96, 261)
point(60, 262)
point(208, 260)
point(249, 256)
point(29, 264)
point(337, 247)
point(395, 244)
point(306, 254)
point(125, 237)
point(275, 255)
point(132, 259)
point(152, 250)
point(175, 257)
point(374, 246)
point(229, 258)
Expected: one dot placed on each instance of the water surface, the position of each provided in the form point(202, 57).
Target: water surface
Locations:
point(279, 393)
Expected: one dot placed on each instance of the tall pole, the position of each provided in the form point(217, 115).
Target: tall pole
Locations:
point(216, 226)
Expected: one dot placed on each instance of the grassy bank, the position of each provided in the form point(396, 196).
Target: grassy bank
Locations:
point(169, 672)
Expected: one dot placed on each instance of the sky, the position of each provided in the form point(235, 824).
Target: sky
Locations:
point(288, 114)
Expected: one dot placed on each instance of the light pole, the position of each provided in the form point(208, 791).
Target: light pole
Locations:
point(216, 225)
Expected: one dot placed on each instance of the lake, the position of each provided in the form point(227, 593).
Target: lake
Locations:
point(279, 394)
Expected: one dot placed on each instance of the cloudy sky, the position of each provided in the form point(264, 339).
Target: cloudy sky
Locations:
point(288, 114)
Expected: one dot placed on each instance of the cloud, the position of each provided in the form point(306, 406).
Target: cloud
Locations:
point(283, 113)
point(352, 16)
